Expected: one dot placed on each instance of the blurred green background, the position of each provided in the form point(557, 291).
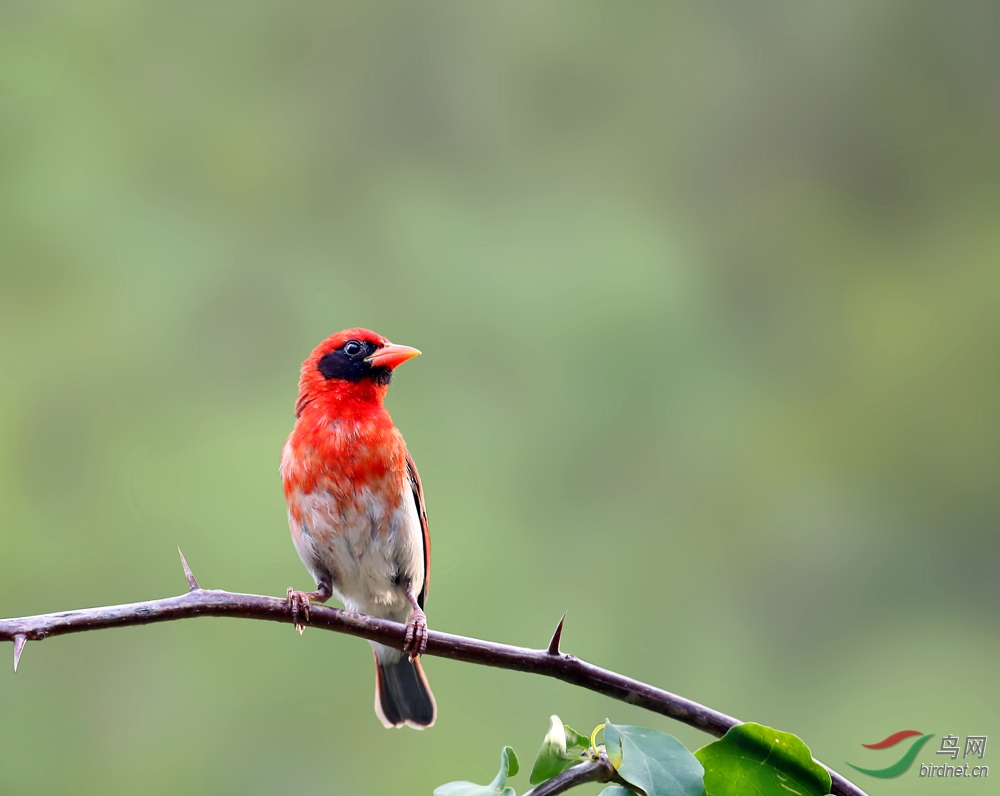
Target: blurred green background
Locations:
point(710, 308)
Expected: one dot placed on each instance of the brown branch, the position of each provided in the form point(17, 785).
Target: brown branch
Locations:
point(599, 770)
point(559, 665)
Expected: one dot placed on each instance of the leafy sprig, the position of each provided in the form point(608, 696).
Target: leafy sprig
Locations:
point(749, 760)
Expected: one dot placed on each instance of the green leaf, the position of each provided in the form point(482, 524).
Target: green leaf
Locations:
point(575, 740)
point(754, 760)
point(653, 762)
point(555, 754)
point(617, 790)
point(508, 768)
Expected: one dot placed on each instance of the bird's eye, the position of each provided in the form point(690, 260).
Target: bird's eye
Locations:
point(352, 348)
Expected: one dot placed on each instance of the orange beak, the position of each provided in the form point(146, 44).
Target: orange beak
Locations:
point(389, 355)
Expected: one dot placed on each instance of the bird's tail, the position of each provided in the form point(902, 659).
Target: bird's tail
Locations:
point(402, 695)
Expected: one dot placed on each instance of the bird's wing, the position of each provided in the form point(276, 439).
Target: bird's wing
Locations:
point(418, 497)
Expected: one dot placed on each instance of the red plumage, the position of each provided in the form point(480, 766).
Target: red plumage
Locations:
point(356, 510)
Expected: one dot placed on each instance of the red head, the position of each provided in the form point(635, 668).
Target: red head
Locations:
point(355, 364)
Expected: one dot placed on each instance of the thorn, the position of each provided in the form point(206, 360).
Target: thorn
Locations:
point(19, 641)
point(192, 583)
point(554, 643)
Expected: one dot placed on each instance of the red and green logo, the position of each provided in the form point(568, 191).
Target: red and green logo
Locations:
point(904, 762)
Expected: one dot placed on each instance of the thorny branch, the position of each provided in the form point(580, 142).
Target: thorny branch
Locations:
point(550, 662)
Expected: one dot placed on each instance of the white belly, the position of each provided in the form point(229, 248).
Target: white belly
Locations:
point(371, 552)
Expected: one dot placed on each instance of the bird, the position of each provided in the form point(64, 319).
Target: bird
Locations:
point(356, 510)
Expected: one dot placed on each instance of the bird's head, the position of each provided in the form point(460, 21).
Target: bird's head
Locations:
point(354, 364)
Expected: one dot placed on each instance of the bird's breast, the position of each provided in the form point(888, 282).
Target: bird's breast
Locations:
point(348, 459)
point(352, 514)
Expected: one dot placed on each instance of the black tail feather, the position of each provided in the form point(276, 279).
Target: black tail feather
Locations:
point(402, 695)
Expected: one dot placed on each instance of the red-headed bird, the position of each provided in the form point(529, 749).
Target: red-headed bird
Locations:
point(356, 509)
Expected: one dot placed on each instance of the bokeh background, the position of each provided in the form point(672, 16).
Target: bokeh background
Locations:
point(710, 306)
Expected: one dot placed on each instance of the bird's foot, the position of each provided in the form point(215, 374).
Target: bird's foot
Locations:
point(298, 604)
point(415, 642)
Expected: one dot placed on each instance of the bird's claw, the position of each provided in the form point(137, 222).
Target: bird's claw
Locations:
point(415, 642)
point(298, 603)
